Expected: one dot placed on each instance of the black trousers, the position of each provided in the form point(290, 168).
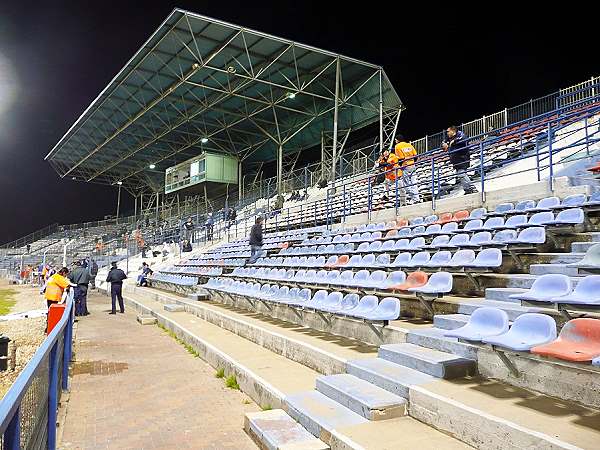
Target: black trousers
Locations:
point(116, 293)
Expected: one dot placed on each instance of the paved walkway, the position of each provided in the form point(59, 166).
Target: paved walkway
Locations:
point(135, 387)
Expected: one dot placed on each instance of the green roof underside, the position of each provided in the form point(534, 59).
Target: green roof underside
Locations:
point(199, 77)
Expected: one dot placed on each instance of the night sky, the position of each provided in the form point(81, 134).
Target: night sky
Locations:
point(55, 57)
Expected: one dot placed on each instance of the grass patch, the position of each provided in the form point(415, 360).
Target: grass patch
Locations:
point(246, 401)
point(6, 301)
point(220, 373)
point(267, 408)
point(231, 382)
point(187, 346)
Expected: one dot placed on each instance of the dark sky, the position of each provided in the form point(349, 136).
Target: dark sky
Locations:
point(447, 67)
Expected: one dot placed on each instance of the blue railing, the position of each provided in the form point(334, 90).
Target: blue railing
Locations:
point(28, 410)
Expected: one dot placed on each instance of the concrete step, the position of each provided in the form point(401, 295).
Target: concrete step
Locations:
point(543, 269)
point(558, 258)
point(426, 360)
point(525, 281)
point(387, 375)
point(450, 321)
point(434, 339)
point(319, 414)
point(173, 308)
point(581, 247)
point(502, 294)
point(274, 430)
point(362, 397)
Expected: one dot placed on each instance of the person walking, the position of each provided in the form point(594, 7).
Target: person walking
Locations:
point(80, 277)
point(209, 227)
point(256, 240)
point(115, 278)
point(188, 228)
point(407, 156)
point(93, 273)
point(460, 158)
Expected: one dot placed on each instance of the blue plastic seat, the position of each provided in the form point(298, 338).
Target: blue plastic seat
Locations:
point(367, 261)
point(349, 248)
point(514, 222)
point(438, 241)
point(346, 278)
point(439, 259)
point(366, 305)
point(546, 204)
point(332, 277)
point(375, 235)
point(572, 201)
point(366, 237)
point(319, 262)
point(388, 246)
point(530, 236)
point(480, 239)
point(375, 246)
point(483, 322)
point(527, 331)
point(458, 240)
point(448, 228)
point(438, 283)
point(382, 260)
point(433, 229)
point(430, 219)
point(478, 213)
point(377, 279)
point(596, 361)
point(333, 300)
point(416, 221)
point(395, 278)
point(540, 218)
point(355, 261)
point(572, 216)
point(416, 243)
point(472, 225)
point(310, 276)
point(401, 260)
point(337, 239)
point(355, 238)
point(587, 292)
point(318, 297)
point(418, 230)
point(360, 278)
point(402, 244)
point(346, 238)
point(331, 260)
point(299, 276)
point(502, 208)
point(488, 258)
point(349, 302)
point(594, 199)
point(419, 259)
point(404, 233)
point(462, 258)
point(363, 247)
point(339, 248)
point(522, 206)
point(371, 227)
point(388, 309)
point(504, 237)
point(546, 287)
point(491, 223)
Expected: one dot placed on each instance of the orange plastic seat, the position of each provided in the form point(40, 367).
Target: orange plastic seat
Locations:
point(444, 218)
point(402, 222)
point(415, 279)
point(342, 261)
point(460, 215)
point(579, 340)
point(391, 234)
point(284, 245)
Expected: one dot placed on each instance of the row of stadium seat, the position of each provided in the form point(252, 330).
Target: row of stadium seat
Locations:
point(558, 288)
point(174, 279)
point(199, 271)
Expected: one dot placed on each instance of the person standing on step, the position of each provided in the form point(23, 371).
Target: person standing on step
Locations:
point(115, 278)
point(407, 156)
point(80, 277)
point(93, 273)
point(256, 240)
point(55, 286)
point(460, 157)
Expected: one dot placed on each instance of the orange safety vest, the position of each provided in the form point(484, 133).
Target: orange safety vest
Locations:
point(393, 160)
point(55, 287)
point(406, 153)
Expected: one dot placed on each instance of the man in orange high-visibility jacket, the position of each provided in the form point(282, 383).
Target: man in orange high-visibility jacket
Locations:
point(55, 287)
point(407, 155)
point(392, 172)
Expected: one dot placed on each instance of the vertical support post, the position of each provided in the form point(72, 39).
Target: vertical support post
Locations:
point(380, 111)
point(537, 157)
point(550, 166)
point(587, 136)
point(482, 172)
point(12, 435)
point(67, 351)
point(279, 169)
point(52, 396)
point(135, 210)
point(157, 200)
point(240, 182)
point(396, 195)
point(433, 194)
point(369, 200)
point(335, 121)
point(119, 199)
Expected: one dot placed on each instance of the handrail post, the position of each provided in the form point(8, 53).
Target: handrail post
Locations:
point(52, 396)
point(551, 168)
point(396, 186)
point(482, 172)
point(587, 137)
point(67, 351)
point(433, 184)
point(370, 200)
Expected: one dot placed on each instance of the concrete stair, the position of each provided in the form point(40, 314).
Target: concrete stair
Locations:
point(319, 414)
point(433, 338)
point(274, 430)
point(362, 397)
point(581, 247)
point(563, 269)
point(450, 321)
point(426, 360)
point(502, 294)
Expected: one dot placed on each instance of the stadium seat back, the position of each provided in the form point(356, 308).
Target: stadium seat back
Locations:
point(579, 340)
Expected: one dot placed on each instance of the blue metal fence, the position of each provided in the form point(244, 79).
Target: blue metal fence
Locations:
point(28, 410)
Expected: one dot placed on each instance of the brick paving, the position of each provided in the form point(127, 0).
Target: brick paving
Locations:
point(135, 387)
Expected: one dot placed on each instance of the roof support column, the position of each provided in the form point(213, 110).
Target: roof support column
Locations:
point(240, 181)
point(279, 168)
point(335, 121)
point(380, 110)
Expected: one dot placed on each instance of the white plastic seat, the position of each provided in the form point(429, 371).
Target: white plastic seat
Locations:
point(430, 219)
point(530, 236)
point(491, 223)
point(332, 277)
point(419, 259)
point(528, 330)
point(572, 201)
point(502, 209)
point(540, 218)
point(315, 301)
point(587, 292)
point(504, 237)
point(513, 222)
point(366, 305)
point(479, 239)
point(375, 246)
point(439, 259)
point(546, 204)
point(438, 283)
point(488, 258)
point(310, 276)
point(458, 240)
point(388, 246)
point(416, 243)
point(332, 301)
point(438, 241)
point(402, 244)
point(573, 216)
point(360, 278)
point(477, 213)
point(461, 258)
point(522, 206)
point(395, 278)
point(363, 247)
point(355, 261)
point(401, 260)
point(367, 261)
point(545, 288)
point(377, 279)
point(483, 322)
point(382, 260)
point(346, 278)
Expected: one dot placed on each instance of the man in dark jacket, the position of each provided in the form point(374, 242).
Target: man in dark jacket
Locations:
point(115, 278)
point(186, 246)
point(93, 272)
point(256, 240)
point(460, 157)
point(81, 277)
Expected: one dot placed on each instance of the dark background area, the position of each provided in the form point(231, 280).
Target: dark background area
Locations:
point(447, 67)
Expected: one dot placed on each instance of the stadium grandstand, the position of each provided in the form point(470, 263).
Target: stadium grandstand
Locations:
point(465, 318)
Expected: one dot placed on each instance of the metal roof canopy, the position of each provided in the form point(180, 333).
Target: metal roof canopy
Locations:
point(249, 93)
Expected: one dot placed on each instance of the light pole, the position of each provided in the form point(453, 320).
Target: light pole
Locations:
point(119, 183)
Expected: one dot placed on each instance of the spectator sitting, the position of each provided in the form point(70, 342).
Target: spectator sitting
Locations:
point(186, 246)
point(142, 279)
